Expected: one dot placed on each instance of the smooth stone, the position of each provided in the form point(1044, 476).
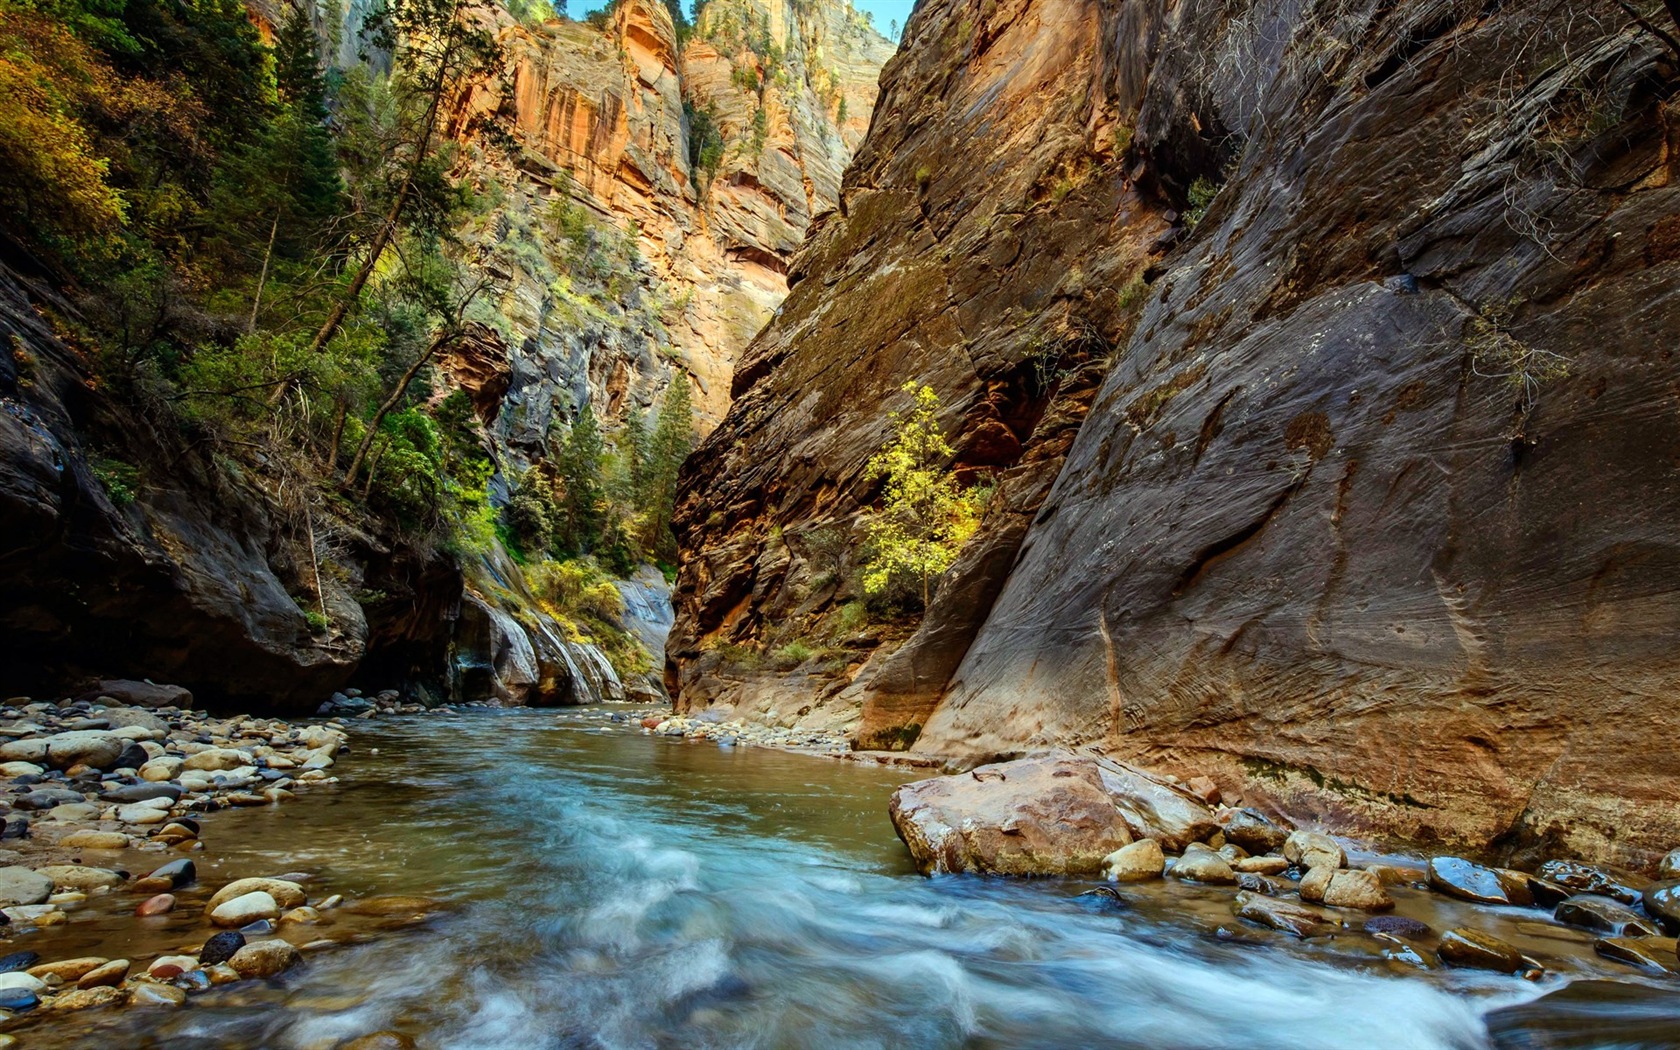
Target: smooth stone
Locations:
point(1265, 865)
point(244, 909)
point(266, 959)
point(258, 928)
point(162, 904)
point(1203, 865)
point(181, 828)
point(1310, 849)
point(133, 756)
point(1479, 951)
point(305, 915)
point(69, 969)
point(1596, 879)
point(144, 792)
point(28, 982)
point(21, 769)
point(79, 877)
point(147, 993)
point(1357, 889)
point(18, 961)
point(1139, 862)
point(1547, 894)
point(1662, 902)
point(18, 999)
point(1315, 882)
point(285, 894)
point(36, 914)
point(392, 906)
point(221, 947)
point(89, 839)
point(1590, 911)
point(194, 980)
point(1467, 880)
point(112, 973)
point(177, 873)
point(86, 998)
point(1668, 868)
point(140, 813)
point(1256, 832)
point(97, 748)
point(1656, 954)
point(1254, 883)
point(20, 885)
point(1396, 926)
point(161, 769)
point(1283, 915)
point(73, 812)
point(179, 964)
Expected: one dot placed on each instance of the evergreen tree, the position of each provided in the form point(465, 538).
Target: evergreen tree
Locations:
point(297, 67)
point(673, 440)
point(581, 511)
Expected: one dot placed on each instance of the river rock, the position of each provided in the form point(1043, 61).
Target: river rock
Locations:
point(32, 750)
point(1200, 864)
point(1591, 911)
point(1034, 816)
point(21, 769)
point(1309, 849)
point(1396, 926)
point(28, 982)
point(16, 1000)
point(1283, 915)
point(143, 792)
point(1156, 808)
point(69, 970)
point(148, 993)
point(1480, 951)
point(1618, 885)
point(1256, 832)
point(133, 756)
point(141, 694)
point(167, 967)
point(380, 1041)
point(90, 839)
point(178, 873)
point(111, 973)
point(265, 959)
point(121, 718)
point(80, 877)
point(20, 885)
point(95, 748)
point(215, 759)
point(167, 767)
point(1255, 883)
point(1467, 880)
point(1315, 882)
point(1267, 865)
point(1668, 868)
point(1662, 902)
point(1656, 954)
point(221, 947)
point(286, 894)
point(1356, 889)
point(162, 904)
point(244, 909)
point(19, 961)
point(142, 814)
point(86, 999)
point(1138, 862)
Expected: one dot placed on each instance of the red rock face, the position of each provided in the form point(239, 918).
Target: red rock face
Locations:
point(1371, 517)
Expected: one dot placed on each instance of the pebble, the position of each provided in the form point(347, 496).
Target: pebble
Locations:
point(168, 966)
point(110, 974)
point(1590, 911)
point(284, 893)
point(221, 947)
point(18, 961)
point(1480, 951)
point(27, 982)
point(1139, 862)
point(264, 959)
point(20, 885)
point(147, 993)
point(86, 998)
point(69, 969)
point(162, 904)
point(78, 877)
point(18, 999)
point(245, 908)
point(89, 839)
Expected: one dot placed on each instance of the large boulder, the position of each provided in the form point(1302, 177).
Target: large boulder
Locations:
point(1155, 807)
point(1035, 816)
point(141, 694)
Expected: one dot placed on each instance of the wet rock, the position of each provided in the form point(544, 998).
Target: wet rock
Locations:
point(1283, 915)
point(1254, 883)
point(380, 1041)
point(69, 970)
point(167, 767)
point(1309, 849)
point(162, 904)
point(1669, 867)
point(1656, 954)
point(1256, 832)
point(221, 947)
point(80, 877)
point(86, 999)
point(1156, 808)
point(25, 981)
point(1396, 926)
point(1661, 901)
point(18, 999)
point(1139, 862)
point(147, 993)
point(89, 839)
point(1467, 880)
point(1268, 865)
point(1106, 898)
point(216, 759)
point(20, 885)
point(1035, 816)
point(142, 813)
point(265, 959)
point(1200, 864)
point(286, 894)
point(143, 792)
point(142, 694)
point(176, 873)
point(36, 914)
point(94, 748)
point(305, 916)
point(244, 909)
point(392, 906)
point(1315, 882)
point(47, 798)
point(108, 975)
point(1357, 889)
point(166, 967)
point(1590, 911)
point(1577, 877)
point(1480, 951)
point(18, 961)
point(1547, 894)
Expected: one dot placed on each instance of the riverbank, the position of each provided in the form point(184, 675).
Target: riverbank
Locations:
point(592, 882)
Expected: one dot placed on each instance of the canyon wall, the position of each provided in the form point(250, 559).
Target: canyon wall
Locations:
point(1371, 518)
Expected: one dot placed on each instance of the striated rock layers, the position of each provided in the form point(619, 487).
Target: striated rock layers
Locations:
point(1371, 518)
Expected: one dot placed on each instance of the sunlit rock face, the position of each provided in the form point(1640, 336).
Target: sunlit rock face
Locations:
point(1369, 515)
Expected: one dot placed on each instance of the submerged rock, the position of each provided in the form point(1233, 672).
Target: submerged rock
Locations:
point(1480, 951)
point(1397, 926)
point(1467, 880)
point(1598, 879)
point(1656, 954)
point(1284, 915)
point(1035, 816)
point(1590, 911)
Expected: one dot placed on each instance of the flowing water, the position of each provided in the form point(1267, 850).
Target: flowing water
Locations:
point(604, 888)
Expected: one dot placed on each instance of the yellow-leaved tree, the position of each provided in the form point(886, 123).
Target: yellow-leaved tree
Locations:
point(925, 516)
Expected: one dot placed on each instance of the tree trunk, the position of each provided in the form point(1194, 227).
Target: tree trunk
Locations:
point(262, 279)
point(385, 409)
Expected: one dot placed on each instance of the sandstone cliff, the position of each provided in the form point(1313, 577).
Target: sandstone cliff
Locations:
point(1370, 517)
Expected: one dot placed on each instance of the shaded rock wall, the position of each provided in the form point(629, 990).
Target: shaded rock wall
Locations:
point(1337, 528)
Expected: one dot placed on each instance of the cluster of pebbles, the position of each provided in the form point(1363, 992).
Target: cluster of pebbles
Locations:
point(1300, 882)
point(95, 783)
point(825, 742)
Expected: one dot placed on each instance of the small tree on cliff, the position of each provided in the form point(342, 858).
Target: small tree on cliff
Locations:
point(926, 516)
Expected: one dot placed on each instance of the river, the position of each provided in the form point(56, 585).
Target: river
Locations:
point(604, 888)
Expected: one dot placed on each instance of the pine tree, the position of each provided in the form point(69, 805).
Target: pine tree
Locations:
point(673, 440)
point(581, 511)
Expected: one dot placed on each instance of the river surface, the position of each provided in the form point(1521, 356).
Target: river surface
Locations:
point(604, 888)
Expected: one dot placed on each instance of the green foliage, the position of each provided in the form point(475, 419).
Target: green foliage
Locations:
point(1201, 194)
point(317, 621)
point(925, 516)
point(760, 130)
point(793, 653)
point(582, 513)
point(531, 513)
point(705, 142)
point(1498, 351)
point(120, 480)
